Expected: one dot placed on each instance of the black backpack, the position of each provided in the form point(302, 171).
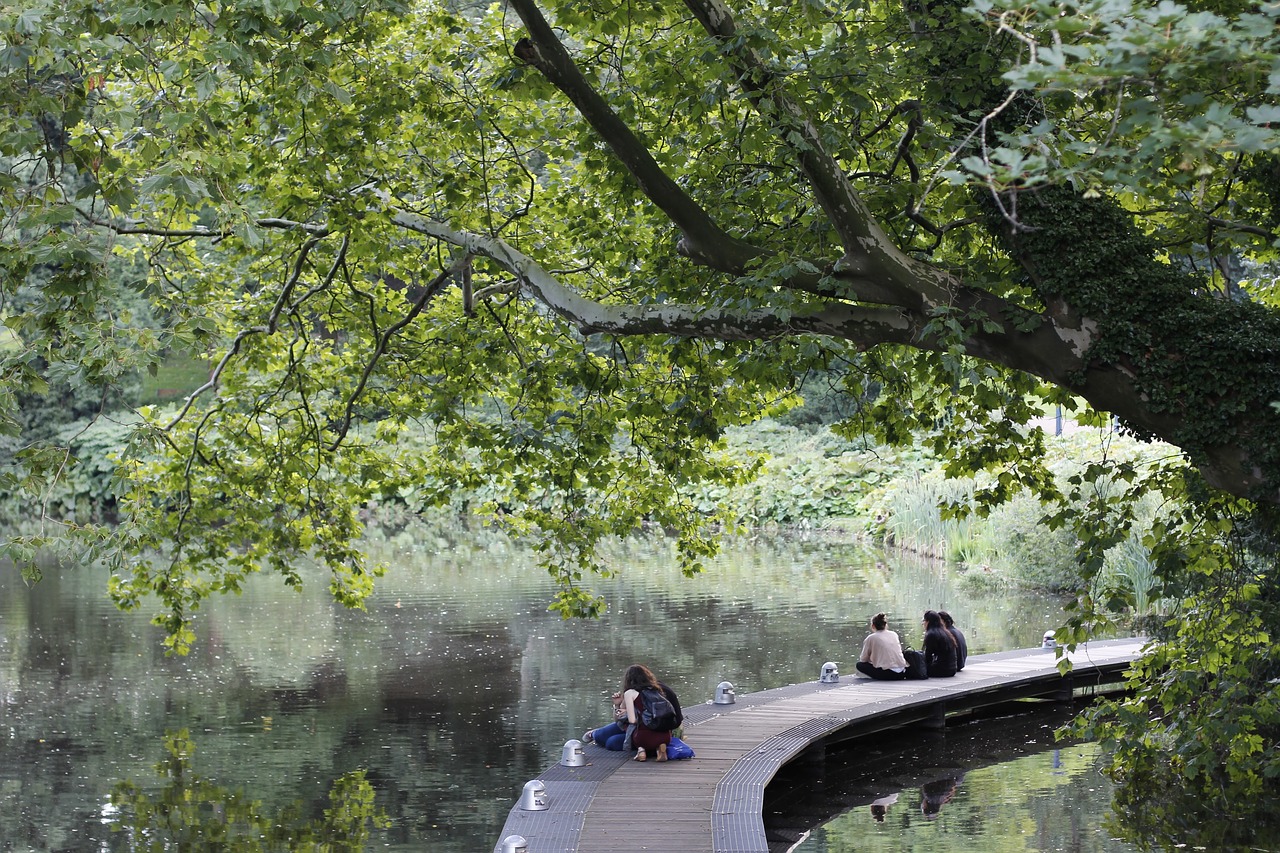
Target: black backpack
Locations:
point(658, 714)
point(917, 667)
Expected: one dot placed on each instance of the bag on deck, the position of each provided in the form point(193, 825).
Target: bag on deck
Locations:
point(658, 714)
point(678, 749)
point(916, 666)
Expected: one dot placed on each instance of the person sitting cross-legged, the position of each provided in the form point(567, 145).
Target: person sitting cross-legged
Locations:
point(881, 656)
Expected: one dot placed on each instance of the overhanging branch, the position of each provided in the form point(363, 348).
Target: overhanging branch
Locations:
point(704, 241)
point(866, 326)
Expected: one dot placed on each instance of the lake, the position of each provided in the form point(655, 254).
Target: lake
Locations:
point(451, 690)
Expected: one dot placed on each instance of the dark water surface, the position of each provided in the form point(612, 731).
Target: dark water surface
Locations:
point(1002, 782)
point(450, 691)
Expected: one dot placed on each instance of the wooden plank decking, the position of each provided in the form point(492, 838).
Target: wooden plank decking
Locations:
point(713, 803)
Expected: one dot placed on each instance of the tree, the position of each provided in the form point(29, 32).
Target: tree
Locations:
point(578, 240)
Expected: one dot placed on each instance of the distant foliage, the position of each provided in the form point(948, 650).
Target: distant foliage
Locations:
point(1013, 543)
point(806, 478)
point(86, 490)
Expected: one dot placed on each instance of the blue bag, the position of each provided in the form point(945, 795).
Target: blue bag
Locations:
point(678, 749)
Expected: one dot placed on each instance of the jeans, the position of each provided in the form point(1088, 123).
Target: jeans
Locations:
point(610, 736)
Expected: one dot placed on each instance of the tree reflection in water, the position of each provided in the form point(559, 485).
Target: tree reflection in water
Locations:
point(191, 813)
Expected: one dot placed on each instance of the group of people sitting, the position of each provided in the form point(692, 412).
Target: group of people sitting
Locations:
point(944, 649)
point(628, 731)
point(882, 658)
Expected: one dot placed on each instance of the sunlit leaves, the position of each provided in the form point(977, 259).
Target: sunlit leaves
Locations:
point(247, 154)
point(1132, 89)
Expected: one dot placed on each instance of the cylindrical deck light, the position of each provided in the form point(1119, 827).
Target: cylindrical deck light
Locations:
point(534, 798)
point(573, 755)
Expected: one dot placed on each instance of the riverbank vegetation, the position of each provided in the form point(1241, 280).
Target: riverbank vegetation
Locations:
point(807, 478)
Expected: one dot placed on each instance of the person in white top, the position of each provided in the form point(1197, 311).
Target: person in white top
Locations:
point(881, 656)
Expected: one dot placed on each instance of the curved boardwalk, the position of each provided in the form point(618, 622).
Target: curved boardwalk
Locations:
point(714, 802)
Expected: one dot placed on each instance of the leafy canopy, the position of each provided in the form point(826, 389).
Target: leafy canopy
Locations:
point(571, 243)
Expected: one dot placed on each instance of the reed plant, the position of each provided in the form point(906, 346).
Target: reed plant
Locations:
point(1129, 570)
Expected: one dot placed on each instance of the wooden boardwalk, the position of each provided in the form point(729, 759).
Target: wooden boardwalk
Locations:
point(714, 802)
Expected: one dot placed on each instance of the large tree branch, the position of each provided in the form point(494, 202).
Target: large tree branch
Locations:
point(873, 268)
point(1040, 349)
point(998, 332)
point(869, 253)
point(704, 241)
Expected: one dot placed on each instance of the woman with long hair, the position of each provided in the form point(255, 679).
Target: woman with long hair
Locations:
point(628, 705)
point(941, 652)
point(637, 678)
point(962, 646)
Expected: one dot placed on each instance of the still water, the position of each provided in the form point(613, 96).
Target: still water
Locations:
point(451, 690)
point(984, 785)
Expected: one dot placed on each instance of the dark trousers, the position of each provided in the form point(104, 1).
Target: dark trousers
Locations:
point(878, 673)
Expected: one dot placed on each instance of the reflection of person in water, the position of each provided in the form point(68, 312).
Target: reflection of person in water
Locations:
point(881, 805)
point(936, 794)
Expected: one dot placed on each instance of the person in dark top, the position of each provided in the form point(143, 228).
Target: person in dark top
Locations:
point(614, 736)
point(962, 647)
point(940, 647)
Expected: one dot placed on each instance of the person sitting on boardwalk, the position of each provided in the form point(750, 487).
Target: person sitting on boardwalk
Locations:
point(627, 707)
point(962, 647)
point(881, 656)
point(940, 648)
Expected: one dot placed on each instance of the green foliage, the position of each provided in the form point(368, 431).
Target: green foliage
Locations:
point(1011, 543)
point(173, 379)
point(1157, 77)
point(190, 812)
point(367, 217)
point(1198, 735)
point(578, 245)
point(804, 479)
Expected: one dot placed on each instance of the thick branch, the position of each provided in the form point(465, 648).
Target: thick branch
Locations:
point(999, 333)
point(704, 241)
point(869, 253)
point(873, 268)
point(1041, 350)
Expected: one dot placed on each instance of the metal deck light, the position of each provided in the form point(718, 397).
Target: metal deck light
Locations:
point(534, 798)
point(573, 754)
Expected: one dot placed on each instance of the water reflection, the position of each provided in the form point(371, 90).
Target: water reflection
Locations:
point(452, 689)
point(189, 812)
point(995, 784)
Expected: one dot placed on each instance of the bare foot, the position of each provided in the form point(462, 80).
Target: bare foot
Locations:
point(640, 756)
point(662, 752)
